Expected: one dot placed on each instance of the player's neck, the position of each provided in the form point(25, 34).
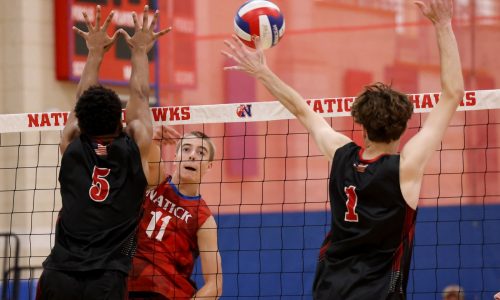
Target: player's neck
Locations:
point(186, 188)
point(375, 149)
point(105, 137)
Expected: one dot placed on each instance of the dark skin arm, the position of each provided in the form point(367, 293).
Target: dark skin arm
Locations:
point(98, 42)
point(138, 115)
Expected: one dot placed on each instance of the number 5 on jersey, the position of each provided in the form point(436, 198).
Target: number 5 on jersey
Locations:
point(351, 203)
point(99, 190)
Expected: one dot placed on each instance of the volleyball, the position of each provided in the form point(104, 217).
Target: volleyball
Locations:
point(259, 18)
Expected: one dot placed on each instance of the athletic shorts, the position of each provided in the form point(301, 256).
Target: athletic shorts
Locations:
point(95, 285)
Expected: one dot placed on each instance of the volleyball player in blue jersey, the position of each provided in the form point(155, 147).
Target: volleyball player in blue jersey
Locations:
point(374, 190)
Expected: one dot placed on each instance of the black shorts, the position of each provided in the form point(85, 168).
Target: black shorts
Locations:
point(321, 285)
point(95, 285)
point(330, 284)
point(145, 296)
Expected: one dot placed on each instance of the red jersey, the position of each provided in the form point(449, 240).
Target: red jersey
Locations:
point(167, 243)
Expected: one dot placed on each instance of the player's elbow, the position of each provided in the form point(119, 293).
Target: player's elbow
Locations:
point(456, 92)
point(216, 284)
point(213, 287)
point(139, 89)
point(218, 277)
point(140, 93)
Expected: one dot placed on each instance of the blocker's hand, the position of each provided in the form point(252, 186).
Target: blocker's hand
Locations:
point(97, 38)
point(439, 12)
point(252, 62)
point(144, 36)
point(165, 135)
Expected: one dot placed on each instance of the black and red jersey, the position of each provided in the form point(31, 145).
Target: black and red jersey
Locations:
point(102, 189)
point(368, 250)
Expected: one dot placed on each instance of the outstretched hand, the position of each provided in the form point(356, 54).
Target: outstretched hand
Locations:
point(246, 60)
point(165, 135)
point(144, 35)
point(97, 38)
point(439, 12)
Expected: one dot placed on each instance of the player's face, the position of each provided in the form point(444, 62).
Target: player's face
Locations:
point(192, 159)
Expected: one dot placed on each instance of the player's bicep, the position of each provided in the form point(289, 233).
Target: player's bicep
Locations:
point(207, 235)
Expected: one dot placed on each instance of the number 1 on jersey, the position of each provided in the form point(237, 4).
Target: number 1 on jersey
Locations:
point(352, 201)
point(152, 225)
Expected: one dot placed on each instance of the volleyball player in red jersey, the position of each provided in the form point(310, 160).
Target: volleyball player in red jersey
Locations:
point(374, 191)
point(177, 227)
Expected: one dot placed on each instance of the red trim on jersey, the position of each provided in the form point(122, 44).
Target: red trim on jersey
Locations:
point(368, 161)
point(326, 244)
point(407, 236)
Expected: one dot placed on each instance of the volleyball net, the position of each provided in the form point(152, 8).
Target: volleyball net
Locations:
point(268, 190)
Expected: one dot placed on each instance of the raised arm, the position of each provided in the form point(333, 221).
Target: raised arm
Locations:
point(254, 63)
point(417, 152)
point(98, 42)
point(138, 115)
point(210, 261)
point(163, 136)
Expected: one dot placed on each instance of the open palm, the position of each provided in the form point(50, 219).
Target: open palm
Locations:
point(144, 36)
point(246, 60)
point(97, 37)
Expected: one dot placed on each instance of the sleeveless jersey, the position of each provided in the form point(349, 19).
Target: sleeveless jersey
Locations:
point(367, 253)
point(102, 189)
point(167, 242)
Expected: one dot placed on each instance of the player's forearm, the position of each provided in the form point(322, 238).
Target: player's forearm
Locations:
point(90, 72)
point(452, 82)
point(139, 80)
point(288, 97)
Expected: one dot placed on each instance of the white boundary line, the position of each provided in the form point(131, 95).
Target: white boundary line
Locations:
point(245, 112)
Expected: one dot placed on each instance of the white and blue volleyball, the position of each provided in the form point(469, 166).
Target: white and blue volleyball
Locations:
point(259, 18)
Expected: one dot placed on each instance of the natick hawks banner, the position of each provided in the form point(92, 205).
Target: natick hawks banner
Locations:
point(246, 112)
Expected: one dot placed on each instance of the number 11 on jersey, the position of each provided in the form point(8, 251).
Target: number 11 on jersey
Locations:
point(156, 218)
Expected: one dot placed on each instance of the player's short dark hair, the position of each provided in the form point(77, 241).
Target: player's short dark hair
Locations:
point(201, 135)
point(383, 112)
point(99, 111)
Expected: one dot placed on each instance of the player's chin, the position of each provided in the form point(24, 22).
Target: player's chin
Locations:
point(190, 177)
